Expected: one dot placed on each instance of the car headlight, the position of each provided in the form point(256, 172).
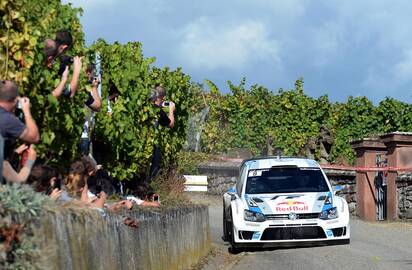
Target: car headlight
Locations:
point(253, 216)
point(331, 213)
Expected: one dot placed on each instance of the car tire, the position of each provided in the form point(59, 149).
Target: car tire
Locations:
point(226, 226)
point(233, 249)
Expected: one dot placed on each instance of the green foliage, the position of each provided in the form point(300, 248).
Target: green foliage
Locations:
point(21, 200)
point(128, 134)
point(20, 206)
point(252, 118)
point(259, 119)
point(25, 25)
point(188, 162)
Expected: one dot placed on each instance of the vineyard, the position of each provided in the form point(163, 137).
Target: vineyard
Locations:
point(260, 120)
point(257, 118)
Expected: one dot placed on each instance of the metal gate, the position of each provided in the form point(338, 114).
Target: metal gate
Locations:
point(381, 182)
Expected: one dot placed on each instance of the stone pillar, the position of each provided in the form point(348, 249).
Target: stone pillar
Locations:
point(366, 151)
point(399, 153)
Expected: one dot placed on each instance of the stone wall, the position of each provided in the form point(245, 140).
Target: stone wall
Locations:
point(86, 239)
point(220, 176)
point(404, 195)
point(347, 180)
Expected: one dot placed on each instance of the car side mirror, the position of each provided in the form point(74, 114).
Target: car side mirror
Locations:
point(336, 189)
point(232, 193)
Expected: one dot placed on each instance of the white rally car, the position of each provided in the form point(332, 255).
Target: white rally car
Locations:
point(280, 201)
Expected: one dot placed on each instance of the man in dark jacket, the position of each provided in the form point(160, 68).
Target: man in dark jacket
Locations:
point(166, 120)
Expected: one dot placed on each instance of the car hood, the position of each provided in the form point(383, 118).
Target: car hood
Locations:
point(270, 204)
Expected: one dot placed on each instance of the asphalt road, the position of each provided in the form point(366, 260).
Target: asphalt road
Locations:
point(374, 246)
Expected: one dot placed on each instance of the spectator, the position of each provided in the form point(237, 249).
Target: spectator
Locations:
point(149, 197)
point(57, 47)
point(64, 40)
point(11, 127)
point(76, 183)
point(101, 181)
point(54, 49)
point(11, 175)
point(112, 98)
point(47, 180)
point(94, 101)
point(158, 98)
point(93, 104)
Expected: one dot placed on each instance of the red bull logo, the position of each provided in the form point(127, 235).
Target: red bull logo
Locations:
point(288, 206)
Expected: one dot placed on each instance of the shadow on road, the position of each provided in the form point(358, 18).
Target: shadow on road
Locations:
point(286, 246)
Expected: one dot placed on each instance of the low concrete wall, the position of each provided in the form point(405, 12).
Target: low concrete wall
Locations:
point(168, 239)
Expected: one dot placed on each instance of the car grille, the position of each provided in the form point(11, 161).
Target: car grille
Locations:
point(286, 216)
point(293, 233)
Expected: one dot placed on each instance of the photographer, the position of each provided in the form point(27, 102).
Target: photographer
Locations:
point(93, 104)
point(11, 127)
point(158, 98)
point(54, 49)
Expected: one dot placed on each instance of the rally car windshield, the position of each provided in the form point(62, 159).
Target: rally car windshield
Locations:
point(286, 180)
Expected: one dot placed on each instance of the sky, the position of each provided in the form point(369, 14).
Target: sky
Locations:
point(340, 48)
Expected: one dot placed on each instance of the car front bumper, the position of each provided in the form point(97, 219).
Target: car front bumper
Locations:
point(290, 232)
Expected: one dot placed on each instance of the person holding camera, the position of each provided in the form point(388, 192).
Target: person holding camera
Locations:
point(158, 98)
point(54, 49)
point(93, 104)
point(11, 127)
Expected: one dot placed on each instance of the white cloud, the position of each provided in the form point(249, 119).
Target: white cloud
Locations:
point(206, 45)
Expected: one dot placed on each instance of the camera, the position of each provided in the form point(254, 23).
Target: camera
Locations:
point(19, 110)
point(65, 61)
point(166, 104)
point(91, 73)
point(57, 183)
point(19, 104)
point(92, 79)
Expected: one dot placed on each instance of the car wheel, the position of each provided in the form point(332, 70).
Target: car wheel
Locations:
point(234, 249)
point(226, 226)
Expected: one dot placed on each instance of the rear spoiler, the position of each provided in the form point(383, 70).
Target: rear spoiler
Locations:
point(285, 167)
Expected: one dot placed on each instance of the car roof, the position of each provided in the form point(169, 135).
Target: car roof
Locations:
point(274, 161)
